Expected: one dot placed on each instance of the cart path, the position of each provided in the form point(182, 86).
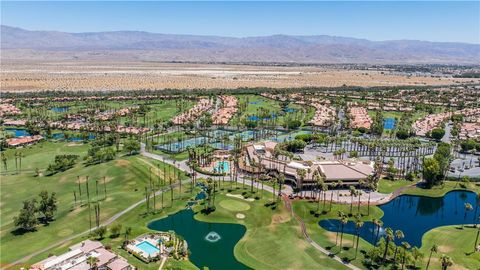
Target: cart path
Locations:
point(288, 205)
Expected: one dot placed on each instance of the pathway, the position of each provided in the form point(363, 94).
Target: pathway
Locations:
point(106, 223)
point(182, 165)
point(164, 259)
point(288, 204)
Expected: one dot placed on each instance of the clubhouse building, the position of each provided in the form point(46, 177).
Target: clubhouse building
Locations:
point(302, 174)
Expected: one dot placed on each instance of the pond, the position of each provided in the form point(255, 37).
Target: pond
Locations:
point(257, 118)
point(75, 138)
point(59, 109)
point(415, 215)
point(17, 132)
point(211, 244)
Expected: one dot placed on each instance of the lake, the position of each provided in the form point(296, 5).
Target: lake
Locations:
point(415, 215)
point(211, 244)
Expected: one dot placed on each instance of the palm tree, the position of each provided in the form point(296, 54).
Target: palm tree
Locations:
point(446, 261)
point(433, 249)
point(417, 255)
point(468, 207)
point(379, 225)
point(405, 246)
point(353, 192)
point(343, 221)
point(301, 173)
point(332, 186)
point(389, 238)
point(339, 184)
point(320, 184)
point(399, 235)
point(358, 226)
point(340, 215)
point(92, 261)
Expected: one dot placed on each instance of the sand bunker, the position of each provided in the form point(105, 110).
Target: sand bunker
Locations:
point(240, 216)
point(240, 197)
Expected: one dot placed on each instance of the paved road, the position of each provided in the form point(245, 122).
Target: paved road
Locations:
point(448, 132)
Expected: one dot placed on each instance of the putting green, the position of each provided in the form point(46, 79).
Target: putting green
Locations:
point(233, 205)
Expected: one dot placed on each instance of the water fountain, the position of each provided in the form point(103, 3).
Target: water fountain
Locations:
point(213, 237)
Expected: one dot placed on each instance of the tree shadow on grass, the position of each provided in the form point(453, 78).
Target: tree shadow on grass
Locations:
point(21, 231)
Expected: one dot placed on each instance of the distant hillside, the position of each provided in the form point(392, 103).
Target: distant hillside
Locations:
point(18, 43)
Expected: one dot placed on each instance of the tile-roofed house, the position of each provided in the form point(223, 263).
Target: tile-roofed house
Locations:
point(77, 259)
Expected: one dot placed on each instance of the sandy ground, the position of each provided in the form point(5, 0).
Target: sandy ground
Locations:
point(83, 75)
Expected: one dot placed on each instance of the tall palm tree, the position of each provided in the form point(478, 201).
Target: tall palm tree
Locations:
point(340, 215)
point(128, 231)
point(446, 261)
point(399, 235)
point(353, 193)
point(405, 246)
point(343, 221)
point(332, 186)
point(389, 237)
point(358, 226)
point(433, 249)
point(378, 224)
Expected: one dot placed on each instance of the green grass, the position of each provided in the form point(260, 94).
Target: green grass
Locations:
point(137, 220)
point(389, 186)
point(41, 154)
point(386, 114)
point(234, 205)
point(125, 181)
point(255, 103)
point(325, 238)
point(440, 190)
point(273, 239)
point(455, 242)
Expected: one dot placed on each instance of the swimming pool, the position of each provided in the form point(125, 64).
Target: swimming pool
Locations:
point(389, 123)
point(222, 167)
point(17, 132)
point(148, 248)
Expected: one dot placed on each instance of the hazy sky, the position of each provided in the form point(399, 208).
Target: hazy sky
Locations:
point(427, 20)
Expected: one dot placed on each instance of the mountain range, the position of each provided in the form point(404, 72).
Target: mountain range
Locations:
point(137, 45)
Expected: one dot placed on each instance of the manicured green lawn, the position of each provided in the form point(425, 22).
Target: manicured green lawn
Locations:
point(126, 179)
point(386, 114)
point(388, 186)
point(137, 219)
point(440, 190)
point(256, 103)
point(325, 238)
point(41, 154)
point(272, 241)
point(455, 242)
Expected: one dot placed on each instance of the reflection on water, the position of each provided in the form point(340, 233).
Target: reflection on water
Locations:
point(415, 215)
point(211, 244)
